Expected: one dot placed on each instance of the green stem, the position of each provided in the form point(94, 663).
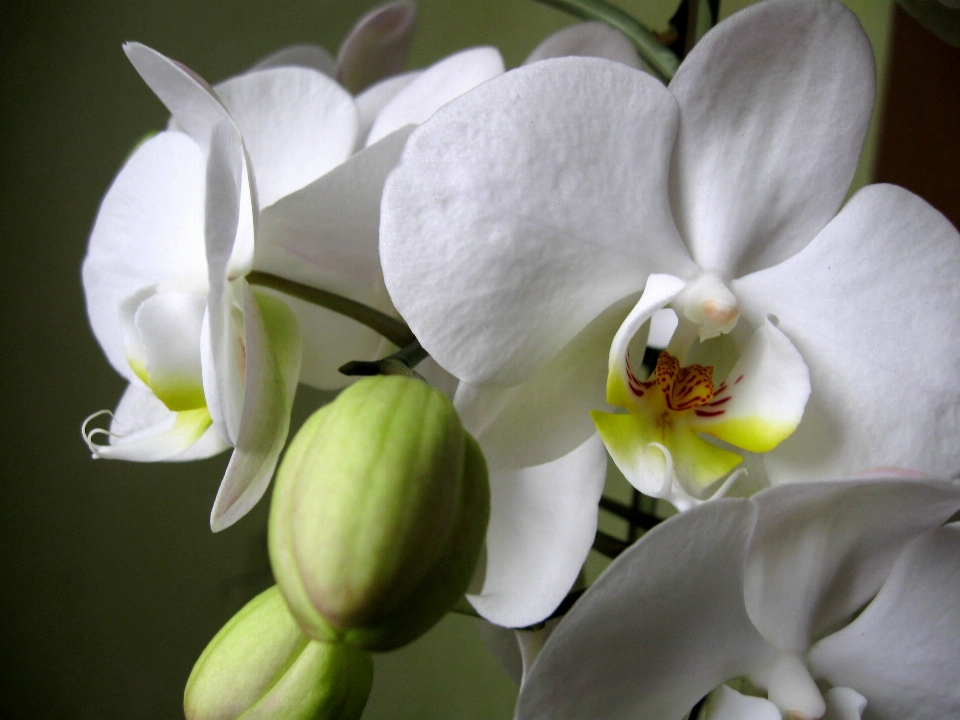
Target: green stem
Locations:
point(392, 329)
point(660, 59)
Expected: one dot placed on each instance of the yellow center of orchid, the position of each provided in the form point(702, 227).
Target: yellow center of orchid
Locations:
point(669, 442)
point(658, 439)
point(681, 388)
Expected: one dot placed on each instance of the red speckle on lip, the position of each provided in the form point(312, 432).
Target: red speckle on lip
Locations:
point(721, 401)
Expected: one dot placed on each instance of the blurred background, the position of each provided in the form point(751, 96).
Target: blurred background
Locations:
point(112, 581)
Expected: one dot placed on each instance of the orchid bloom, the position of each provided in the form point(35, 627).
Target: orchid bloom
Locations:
point(824, 597)
point(534, 226)
point(278, 170)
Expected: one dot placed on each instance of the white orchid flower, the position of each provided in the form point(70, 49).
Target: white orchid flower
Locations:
point(260, 173)
point(534, 225)
point(826, 597)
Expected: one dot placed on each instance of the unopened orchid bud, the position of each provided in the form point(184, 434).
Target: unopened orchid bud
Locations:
point(260, 666)
point(379, 513)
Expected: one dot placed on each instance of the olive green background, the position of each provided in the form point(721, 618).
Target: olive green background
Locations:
point(112, 581)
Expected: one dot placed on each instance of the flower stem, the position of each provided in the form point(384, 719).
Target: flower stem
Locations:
point(660, 59)
point(392, 329)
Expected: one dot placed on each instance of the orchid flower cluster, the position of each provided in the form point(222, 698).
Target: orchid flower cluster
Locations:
point(604, 254)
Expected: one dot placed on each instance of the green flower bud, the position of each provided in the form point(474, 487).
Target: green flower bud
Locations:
point(379, 513)
point(260, 666)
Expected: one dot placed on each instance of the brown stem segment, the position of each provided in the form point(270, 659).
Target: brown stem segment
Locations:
point(401, 362)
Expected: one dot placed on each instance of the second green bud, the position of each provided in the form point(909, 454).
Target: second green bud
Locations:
point(379, 514)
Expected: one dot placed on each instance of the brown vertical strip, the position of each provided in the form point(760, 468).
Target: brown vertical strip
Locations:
point(920, 140)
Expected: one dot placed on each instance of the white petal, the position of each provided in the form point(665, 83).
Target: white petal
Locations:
point(662, 627)
point(762, 399)
point(326, 236)
point(873, 306)
point(377, 45)
point(542, 524)
point(821, 550)
point(435, 87)
point(149, 228)
point(372, 100)
point(728, 704)
point(188, 97)
point(308, 56)
point(548, 415)
point(844, 704)
point(224, 381)
point(590, 39)
point(901, 652)
point(198, 111)
point(663, 324)
point(297, 124)
point(524, 209)
point(774, 103)
point(143, 429)
point(169, 325)
point(272, 356)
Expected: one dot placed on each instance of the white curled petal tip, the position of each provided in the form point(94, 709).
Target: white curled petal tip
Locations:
point(144, 430)
point(88, 433)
